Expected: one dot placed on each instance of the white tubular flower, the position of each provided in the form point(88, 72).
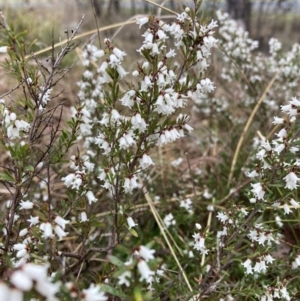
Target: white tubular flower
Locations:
point(258, 191)
point(295, 204)
point(142, 21)
point(287, 209)
point(248, 266)
point(222, 217)
point(126, 140)
point(291, 181)
point(33, 220)
point(278, 120)
point(121, 71)
point(21, 281)
point(145, 161)
point(47, 230)
point(23, 232)
point(35, 271)
point(171, 53)
point(146, 253)
point(123, 278)
point(127, 99)
point(138, 123)
point(119, 53)
point(15, 294)
point(5, 292)
point(155, 49)
point(69, 179)
point(131, 222)
point(22, 250)
point(91, 198)
point(60, 232)
point(61, 221)
point(260, 266)
point(47, 288)
point(169, 220)
point(130, 184)
point(26, 205)
point(146, 273)
point(3, 49)
point(93, 293)
point(83, 217)
point(146, 84)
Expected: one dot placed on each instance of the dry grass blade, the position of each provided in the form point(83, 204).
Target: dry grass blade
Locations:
point(249, 121)
point(162, 7)
point(82, 35)
point(161, 227)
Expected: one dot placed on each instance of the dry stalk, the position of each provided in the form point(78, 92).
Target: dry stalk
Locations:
point(247, 126)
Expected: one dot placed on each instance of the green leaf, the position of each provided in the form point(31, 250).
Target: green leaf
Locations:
point(7, 176)
point(29, 168)
point(116, 261)
point(133, 232)
point(112, 291)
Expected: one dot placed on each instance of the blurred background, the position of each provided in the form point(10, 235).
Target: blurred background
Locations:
point(263, 19)
point(51, 19)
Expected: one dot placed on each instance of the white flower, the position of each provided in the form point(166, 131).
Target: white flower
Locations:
point(146, 273)
point(47, 288)
point(21, 281)
point(142, 21)
point(15, 294)
point(146, 253)
point(258, 191)
point(23, 232)
point(138, 123)
point(269, 259)
point(131, 222)
point(279, 148)
point(121, 71)
point(60, 232)
point(130, 183)
point(287, 209)
point(119, 53)
point(3, 49)
point(33, 220)
point(145, 161)
point(295, 204)
point(61, 221)
point(26, 205)
point(123, 278)
point(260, 266)
point(83, 217)
point(296, 262)
point(69, 179)
point(36, 272)
point(47, 230)
point(252, 174)
point(248, 266)
point(91, 198)
point(93, 293)
point(126, 140)
point(187, 204)
point(169, 220)
point(291, 180)
point(222, 217)
point(278, 120)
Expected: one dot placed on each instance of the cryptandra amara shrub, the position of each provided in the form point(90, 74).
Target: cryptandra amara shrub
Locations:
point(70, 223)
